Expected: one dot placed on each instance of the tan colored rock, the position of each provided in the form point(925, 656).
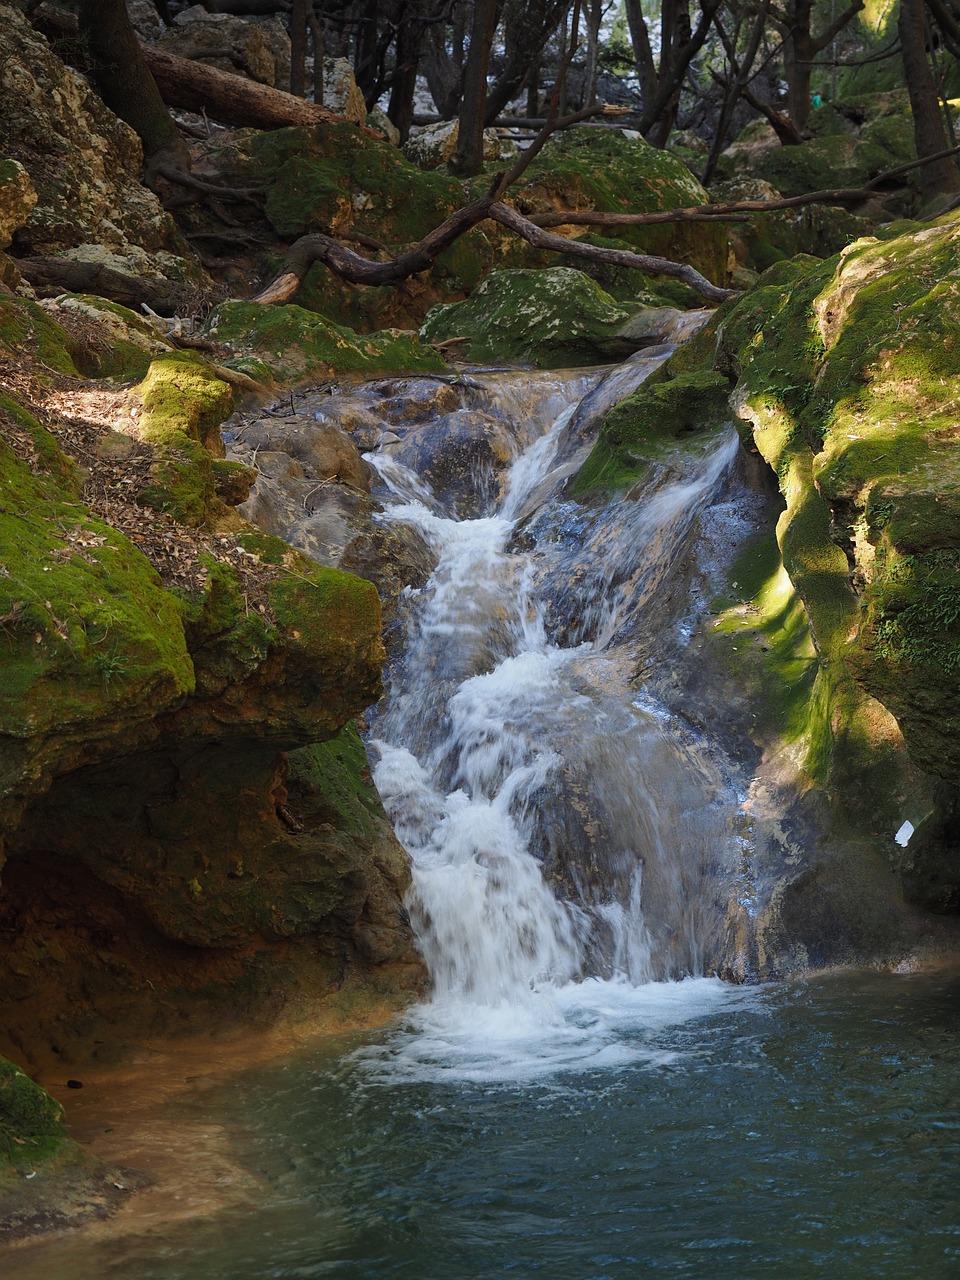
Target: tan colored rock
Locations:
point(341, 92)
point(434, 144)
point(83, 162)
point(17, 199)
point(226, 42)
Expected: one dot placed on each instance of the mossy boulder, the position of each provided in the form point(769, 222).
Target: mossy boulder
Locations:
point(848, 371)
point(295, 344)
point(550, 318)
point(31, 1127)
point(844, 377)
point(671, 411)
point(852, 143)
point(182, 404)
point(617, 171)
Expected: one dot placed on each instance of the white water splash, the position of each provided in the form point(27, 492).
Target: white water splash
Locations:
point(541, 809)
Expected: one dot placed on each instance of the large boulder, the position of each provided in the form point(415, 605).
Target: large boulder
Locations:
point(615, 170)
point(83, 163)
point(842, 639)
point(551, 318)
point(258, 50)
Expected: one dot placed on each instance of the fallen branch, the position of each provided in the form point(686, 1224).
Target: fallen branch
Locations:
point(356, 269)
point(733, 209)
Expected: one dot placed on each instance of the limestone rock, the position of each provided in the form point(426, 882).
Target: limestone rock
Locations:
point(17, 199)
point(379, 120)
point(341, 92)
point(432, 145)
point(231, 44)
point(83, 162)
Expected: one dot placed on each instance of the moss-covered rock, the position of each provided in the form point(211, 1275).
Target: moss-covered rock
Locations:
point(295, 344)
point(846, 373)
point(550, 318)
point(616, 171)
point(107, 340)
point(162, 868)
point(182, 404)
point(31, 1123)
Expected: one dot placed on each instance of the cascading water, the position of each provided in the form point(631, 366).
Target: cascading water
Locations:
point(560, 829)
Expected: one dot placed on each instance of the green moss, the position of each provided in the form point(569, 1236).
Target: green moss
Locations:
point(183, 404)
point(31, 1122)
point(338, 772)
point(86, 629)
point(26, 329)
point(47, 455)
point(616, 171)
point(125, 342)
point(553, 318)
point(667, 412)
point(296, 344)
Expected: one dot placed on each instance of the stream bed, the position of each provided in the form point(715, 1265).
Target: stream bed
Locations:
point(581, 1098)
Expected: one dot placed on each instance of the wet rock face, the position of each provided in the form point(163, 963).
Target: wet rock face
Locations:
point(465, 458)
point(83, 162)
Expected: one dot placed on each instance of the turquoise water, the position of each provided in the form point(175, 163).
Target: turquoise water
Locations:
point(690, 1129)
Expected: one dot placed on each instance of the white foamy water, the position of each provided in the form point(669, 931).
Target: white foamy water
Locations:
point(560, 841)
point(555, 1032)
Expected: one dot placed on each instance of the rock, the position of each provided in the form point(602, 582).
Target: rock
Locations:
point(324, 451)
point(231, 44)
point(379, 120)
point(119, 342)
point(873, 134)
point(17, 199)
point(167, 862)
point(83, 163)
point(552, 318)
point(432, 145)
point(465, 455)
point(296, 344)
point(341, 92)
point(617, 171)
point(145, 19)
point(846, 375)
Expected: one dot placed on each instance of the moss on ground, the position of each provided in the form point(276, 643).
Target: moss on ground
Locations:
point(28, 333)
point(87, 628)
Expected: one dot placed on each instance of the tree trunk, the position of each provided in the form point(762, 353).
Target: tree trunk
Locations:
point(468, 157)
point(940, 176)
point(125, 83)
point(298, 47)
point(229, 98)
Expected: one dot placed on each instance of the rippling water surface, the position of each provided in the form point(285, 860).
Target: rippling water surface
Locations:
point(677, 1129)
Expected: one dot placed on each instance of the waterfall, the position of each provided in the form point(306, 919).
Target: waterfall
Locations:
point(562, 830)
